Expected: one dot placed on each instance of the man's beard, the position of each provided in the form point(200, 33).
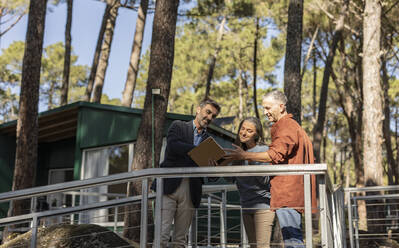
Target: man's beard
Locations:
point(204, 123)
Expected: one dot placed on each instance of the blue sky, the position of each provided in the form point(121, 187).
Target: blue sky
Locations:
point(87, 16)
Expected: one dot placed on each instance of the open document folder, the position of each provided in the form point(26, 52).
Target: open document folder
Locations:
point(206, 150)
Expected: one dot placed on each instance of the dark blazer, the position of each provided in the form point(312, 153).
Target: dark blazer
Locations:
point(180, 141)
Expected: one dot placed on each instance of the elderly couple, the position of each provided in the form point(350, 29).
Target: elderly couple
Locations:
point(261, 198)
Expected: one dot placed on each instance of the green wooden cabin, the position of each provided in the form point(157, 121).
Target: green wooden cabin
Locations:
point(84, 140)
point(76, 135)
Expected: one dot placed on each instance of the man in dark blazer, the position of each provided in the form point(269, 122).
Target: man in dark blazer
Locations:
point(183, 195)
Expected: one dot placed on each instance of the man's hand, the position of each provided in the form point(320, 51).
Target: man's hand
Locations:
point(235, 154)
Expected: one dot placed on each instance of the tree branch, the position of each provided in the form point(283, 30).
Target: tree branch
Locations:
point(331, 16)
point(309, 50)
point(12, 25)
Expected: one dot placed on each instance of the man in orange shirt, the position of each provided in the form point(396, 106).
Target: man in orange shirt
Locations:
point(290, 145)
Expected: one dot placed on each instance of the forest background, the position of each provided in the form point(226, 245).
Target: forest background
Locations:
point(233, 51)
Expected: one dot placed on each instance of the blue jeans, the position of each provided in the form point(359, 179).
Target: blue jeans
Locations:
point(291, 227)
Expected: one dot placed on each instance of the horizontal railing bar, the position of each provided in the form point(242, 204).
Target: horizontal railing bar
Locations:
point(376, 234)
point(372, 188)
point(380, 219)
point(213, 188)
point(253, 170)
point(79, 193)
point(376, 197)
point(229, 206)
point(213, 197)
point(71, 210)
point(206, 189)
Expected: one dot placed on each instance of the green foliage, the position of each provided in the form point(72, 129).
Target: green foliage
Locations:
point(113, 101)
point(13, 7)
point(10, 76)
point(51, 73)
point(196, 43)
point(11, 63)
point(231, 8)
point(208, 7)
point(8, 105)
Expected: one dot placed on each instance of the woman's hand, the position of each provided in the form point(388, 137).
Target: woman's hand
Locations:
point(234, 154)
point(212, 162)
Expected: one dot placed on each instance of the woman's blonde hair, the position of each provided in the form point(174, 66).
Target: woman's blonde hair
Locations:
point(259, 132)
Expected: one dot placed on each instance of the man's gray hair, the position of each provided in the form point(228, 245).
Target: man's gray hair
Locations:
point(277, 96)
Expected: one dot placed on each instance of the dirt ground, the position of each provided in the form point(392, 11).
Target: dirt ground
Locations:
point(71, 236)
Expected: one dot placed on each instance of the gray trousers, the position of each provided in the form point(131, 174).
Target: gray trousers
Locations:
point(177, 208)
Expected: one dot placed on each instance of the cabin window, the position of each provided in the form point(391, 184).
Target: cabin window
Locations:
point(103, 161)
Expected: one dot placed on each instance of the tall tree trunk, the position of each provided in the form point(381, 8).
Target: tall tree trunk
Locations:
point(325, 144)
point(342, 169)
point(255, 66)
point(105, 51)
point(351, 101)
point(314, 83)
point(353, 115)
point(372, 104)
point(214, 57)
point(159, 77)
point(67, 57)
point(387, 117)
point(386, 125)
point(396, 171)
point(132, 72)
point(334, 152)
point(292, 66)
point(51, 91)
point(357, 119)
point(12, 108)
point(321, 118)
point(240, 98)
point(373, 116)
point(27, 124)
point(97, 53)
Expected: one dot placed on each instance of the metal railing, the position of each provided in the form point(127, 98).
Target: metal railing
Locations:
point(330, 210)
point(381, 206)
point(214, 201)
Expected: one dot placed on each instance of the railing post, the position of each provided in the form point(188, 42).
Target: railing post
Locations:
point(33, 204)
point(323, 211)
point(116, 218)
point(209, 233)
point(192, 238)
point(34, 232)
point(244, 239)
point(223, 238)
point(72, 216)
point(350, 221)
point(341, 207)
point(308, 211)
point(356, 218)
point(158, 213)
point(144, 209)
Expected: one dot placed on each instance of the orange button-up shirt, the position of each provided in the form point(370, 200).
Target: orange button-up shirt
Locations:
point(290, 145)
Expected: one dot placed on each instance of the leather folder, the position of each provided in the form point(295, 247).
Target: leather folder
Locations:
point(206, 150)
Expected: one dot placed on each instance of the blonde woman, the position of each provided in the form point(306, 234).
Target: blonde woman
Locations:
point(255, 190)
